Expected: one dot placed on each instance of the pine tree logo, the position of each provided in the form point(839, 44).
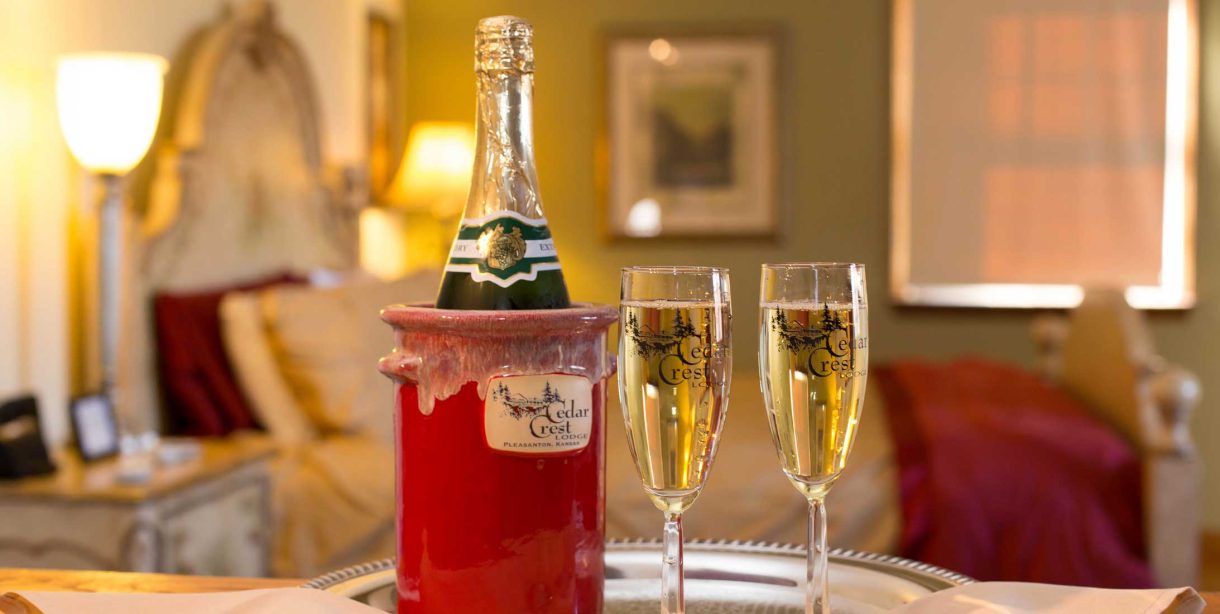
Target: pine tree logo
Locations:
point(520, 406)
point(651, 342)
point(796, 337)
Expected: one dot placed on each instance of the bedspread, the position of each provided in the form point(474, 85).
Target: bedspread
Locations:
point(334, 505)
point(1004, 477)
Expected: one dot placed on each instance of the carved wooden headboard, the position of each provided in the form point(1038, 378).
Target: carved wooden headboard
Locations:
point(238, 190)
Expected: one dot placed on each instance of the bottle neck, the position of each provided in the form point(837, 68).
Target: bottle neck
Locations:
point(504, 177)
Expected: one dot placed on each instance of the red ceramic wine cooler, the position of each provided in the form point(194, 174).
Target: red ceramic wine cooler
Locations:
point(500, 419)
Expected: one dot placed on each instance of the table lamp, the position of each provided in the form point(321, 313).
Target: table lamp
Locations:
point(427, 192)
point(109, 104)
point(435, 171)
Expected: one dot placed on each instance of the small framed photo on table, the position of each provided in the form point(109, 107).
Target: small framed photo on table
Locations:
point(690, 123)
point(95, 426)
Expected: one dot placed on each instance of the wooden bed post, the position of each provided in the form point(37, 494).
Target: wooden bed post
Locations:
point(1172, 478)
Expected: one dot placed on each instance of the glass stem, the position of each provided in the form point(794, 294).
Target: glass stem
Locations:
point(817, 595)
point(672, 599)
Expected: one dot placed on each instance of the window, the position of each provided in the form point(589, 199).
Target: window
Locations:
point(1040, 147)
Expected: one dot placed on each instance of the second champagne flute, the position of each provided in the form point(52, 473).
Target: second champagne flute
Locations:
point(813, 362)
point(674, 368)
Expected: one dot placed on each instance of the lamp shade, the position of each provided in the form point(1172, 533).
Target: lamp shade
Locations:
point(109, 104)
point(435, 171)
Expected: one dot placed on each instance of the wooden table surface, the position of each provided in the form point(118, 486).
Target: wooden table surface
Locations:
point(99, 481)
point(14, 580)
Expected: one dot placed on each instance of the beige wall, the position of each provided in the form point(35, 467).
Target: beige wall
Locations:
point(41, 188)
point(834, 151)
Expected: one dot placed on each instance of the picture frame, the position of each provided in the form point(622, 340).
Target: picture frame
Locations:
point(383, 99)
point(94, 426)
point(691, 145)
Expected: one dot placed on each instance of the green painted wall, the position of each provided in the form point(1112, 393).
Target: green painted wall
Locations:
point(834, 120)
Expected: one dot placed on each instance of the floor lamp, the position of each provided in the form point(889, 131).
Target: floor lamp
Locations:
point(109, 104)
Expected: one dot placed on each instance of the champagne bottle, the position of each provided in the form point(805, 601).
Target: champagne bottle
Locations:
point(503, 256)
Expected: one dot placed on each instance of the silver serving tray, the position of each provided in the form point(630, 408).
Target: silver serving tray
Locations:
point(720, 577)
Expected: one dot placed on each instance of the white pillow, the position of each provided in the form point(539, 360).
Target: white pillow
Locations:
point(258, 374)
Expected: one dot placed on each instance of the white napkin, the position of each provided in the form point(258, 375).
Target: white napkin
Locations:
point(981, 598)
point(264, 601)
point(1020, 597)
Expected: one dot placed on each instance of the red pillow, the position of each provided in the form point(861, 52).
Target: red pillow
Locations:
point(202, 396)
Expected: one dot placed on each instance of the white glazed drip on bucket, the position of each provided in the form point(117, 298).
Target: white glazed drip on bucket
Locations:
point(440, 359)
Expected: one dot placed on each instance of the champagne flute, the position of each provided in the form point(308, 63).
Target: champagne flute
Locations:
point(674, 368)
point(813, 365)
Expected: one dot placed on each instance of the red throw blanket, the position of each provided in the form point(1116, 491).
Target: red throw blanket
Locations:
point(1004, 477)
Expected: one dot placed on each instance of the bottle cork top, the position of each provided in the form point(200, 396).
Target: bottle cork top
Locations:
point(504, 43)
point(504, 26)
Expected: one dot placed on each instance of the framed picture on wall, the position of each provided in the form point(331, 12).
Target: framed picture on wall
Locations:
point(691, 134)
point(383, 100)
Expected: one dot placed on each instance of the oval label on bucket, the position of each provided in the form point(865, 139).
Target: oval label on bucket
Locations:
point(538, 414)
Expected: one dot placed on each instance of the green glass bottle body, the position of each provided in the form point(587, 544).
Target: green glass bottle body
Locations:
point(459, 291)
point(503, 256)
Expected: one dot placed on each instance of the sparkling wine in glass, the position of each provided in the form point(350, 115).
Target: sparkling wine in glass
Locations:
point(813, 365)
point(674, 369)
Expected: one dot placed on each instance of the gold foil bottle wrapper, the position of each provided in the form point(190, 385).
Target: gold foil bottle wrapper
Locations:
point(504, 44)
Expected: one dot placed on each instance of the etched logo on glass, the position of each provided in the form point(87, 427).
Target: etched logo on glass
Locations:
point(827, 345)
point(682, 349)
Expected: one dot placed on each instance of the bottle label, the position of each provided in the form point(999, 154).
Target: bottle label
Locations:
point(504, 247)
point(538, 414)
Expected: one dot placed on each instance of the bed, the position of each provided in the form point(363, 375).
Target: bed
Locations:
point(238, 215)
point(239, 212)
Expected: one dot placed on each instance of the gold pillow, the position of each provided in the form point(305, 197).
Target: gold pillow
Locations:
point(327, 343)
point(258, 372)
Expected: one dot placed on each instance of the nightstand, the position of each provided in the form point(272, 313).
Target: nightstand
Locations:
point(210, 515)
